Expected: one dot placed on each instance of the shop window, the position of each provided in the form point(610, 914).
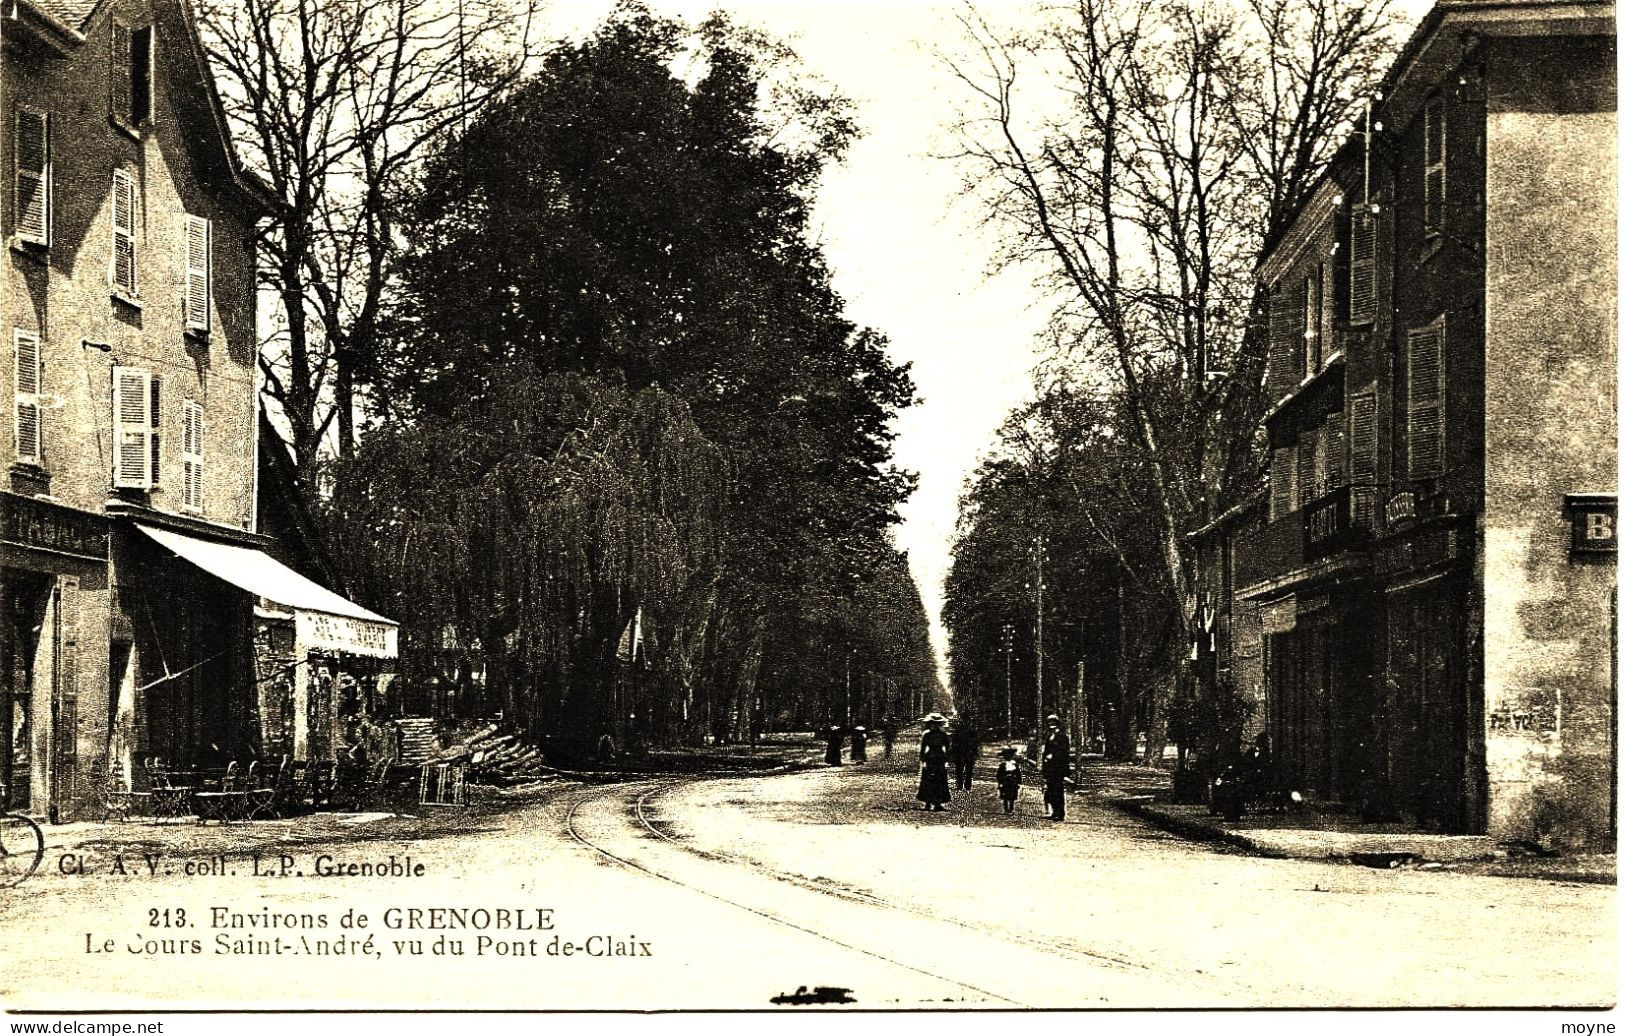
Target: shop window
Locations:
point(31, 184)
point(29, 381)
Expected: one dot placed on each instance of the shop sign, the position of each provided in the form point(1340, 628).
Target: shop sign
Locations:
point(318, 631)
point(42, 525)
point(1593, 523)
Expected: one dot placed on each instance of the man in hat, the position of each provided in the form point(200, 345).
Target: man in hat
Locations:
point(1055, 766)
point(934, 764)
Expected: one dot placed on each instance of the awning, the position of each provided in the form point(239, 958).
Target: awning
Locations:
point(323, 619)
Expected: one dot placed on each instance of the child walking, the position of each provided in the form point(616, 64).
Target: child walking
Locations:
point(1009, 777)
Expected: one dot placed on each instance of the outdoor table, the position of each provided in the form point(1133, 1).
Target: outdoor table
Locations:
point(220, 805)
point(172, 800)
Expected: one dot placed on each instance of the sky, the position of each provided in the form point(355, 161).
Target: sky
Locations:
point(906, 253)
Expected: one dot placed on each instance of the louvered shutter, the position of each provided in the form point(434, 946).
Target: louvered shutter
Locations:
point(30, 418)
point(198, 263)
point(1363, 266)
point(124, 231)
point(132, 428)
point(33, 182)
point(1363, 440)
point(1286, 341)
point(1311, 324)
point(1306, 468)
point(1336, 447)
point(1433, 187)
point(192, 456)
point(1424, 415)
point(1283, 482)
point(119, 62)
point(155, 409)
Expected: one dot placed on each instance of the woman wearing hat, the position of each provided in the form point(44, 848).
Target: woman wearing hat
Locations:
point(934, 763)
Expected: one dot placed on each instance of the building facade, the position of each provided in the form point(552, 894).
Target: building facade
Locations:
point(129, 421)
point(1435, 577)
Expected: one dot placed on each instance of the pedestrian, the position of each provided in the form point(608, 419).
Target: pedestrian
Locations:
point(832, 743)
point(1055, 767)
point(1008, 776)
point(860, 745)
point(967, 745)
point(888, 734)
point(934, 764)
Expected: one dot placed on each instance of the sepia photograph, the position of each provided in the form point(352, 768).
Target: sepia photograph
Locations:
point(806, 508)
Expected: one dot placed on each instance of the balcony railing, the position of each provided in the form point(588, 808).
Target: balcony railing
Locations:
point(1338, 521)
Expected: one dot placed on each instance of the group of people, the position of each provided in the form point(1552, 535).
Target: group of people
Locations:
point(835, 737)
point(962, 747)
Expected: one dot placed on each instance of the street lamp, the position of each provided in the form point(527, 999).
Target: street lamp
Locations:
point(1038, 631)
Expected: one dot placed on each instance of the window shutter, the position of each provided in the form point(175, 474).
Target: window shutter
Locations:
point(30, 417)
point(156, 411)
point(1286, 342)
point(1424, 424)
point(124, 231)
point(1336, 464)
point(1306, 468)
point(33, 184)
point(1311, 324)
point(119, 65)
point(1363, 439)
point(1433, 159)
point(140, 75)
point(192, 456)
point(1363, 266)
point(1283, 482)
point(132, 428)
point(198, 267)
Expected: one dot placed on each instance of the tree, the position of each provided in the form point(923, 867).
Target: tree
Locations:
point(621, 222)
point(333, 103)
point(1182, 137)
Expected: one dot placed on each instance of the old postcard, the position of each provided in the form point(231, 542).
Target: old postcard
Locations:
point(774, 506)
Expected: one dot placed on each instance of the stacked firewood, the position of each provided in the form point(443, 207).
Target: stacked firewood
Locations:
point(495, 758)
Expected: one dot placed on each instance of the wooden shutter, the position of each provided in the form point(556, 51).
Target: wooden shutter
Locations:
point(192, 456)
point(1433, 158)
point(1424, 414)
point(119, 65)
point(1363, 266)
point(1285, 367)
point(1311, 323)
point(1306, 468)
point(140, 75)
point(132, 428)
point(1336, 448)
point(198, 264)
point(124, 231)
point(30, 417)
point(1362, 439)
point(33, 176)
point(1283, 482)
point(156, 410)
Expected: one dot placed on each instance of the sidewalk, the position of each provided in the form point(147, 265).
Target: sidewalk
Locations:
point(1327, 835)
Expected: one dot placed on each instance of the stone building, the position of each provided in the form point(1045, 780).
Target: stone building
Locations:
point(1435, 577)
point(129, 427)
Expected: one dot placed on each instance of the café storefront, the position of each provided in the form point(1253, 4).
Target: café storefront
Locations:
point(53, 652)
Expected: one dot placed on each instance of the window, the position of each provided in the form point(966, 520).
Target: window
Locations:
point(1433, 178)
point(132, 428)
point(192, 456)
point(1362, 439)
point(30, 415)
point(123, 259)
point(1285, 368)
point(131, 66)
point(198, 280)
point(1363, 265)
point(1424, 410)
point(32, 185)
point(1307, 489)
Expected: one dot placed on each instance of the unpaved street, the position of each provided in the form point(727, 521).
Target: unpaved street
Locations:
point(672, 893)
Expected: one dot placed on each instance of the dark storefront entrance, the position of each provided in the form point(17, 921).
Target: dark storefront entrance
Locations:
point(24, 600)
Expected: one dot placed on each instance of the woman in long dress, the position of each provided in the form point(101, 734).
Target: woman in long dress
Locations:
point(934, 764)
